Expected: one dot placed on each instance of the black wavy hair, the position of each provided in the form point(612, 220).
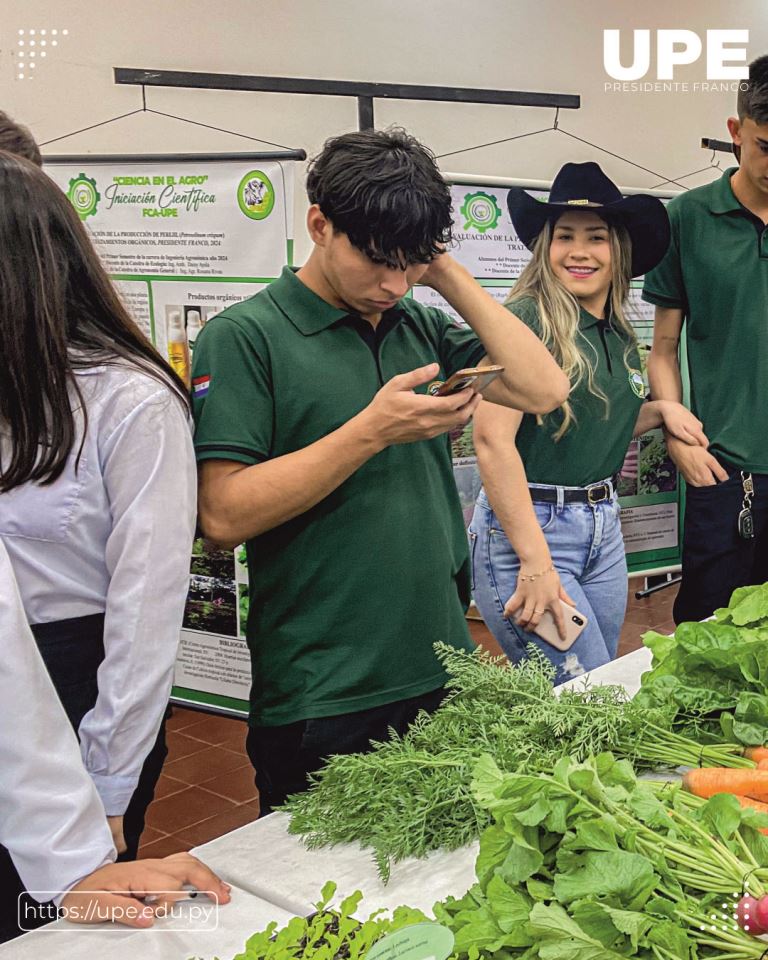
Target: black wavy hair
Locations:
point(752, 100)
point(383, 189)
point(59, 313)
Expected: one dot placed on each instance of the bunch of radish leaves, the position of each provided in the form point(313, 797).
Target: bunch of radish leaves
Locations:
point(589, 863)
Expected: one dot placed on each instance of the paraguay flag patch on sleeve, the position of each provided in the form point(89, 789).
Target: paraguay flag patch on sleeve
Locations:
point(200, 386)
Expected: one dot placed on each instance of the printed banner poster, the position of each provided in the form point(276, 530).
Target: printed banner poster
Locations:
point(186, 219)
point(487, 245)
point(184, 238)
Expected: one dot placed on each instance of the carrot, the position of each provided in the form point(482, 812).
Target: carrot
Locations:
point(762, 764)
point(756, 753)
point(757, 806)
point(707, 781)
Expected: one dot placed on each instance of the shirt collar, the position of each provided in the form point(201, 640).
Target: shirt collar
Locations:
point(723, 198)
point(308, 312)
point(587, 319)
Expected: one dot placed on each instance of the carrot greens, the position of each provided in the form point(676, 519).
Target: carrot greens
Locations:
point(412, 794)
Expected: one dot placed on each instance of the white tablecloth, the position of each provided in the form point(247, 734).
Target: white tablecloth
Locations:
point(624, 672)
point(265, 859)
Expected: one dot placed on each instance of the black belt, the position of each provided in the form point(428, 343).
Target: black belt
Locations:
point(597, 493)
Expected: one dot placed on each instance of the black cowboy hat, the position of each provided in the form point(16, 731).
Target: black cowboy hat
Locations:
point(584, 186)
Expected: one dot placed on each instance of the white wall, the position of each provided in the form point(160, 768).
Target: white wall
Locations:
point(544, 45)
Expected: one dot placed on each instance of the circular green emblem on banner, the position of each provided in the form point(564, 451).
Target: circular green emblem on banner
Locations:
point(636, 382)
point(83, 196)
point(480, 211)
point(256, 195)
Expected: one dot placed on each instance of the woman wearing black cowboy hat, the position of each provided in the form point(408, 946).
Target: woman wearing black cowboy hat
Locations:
point(546, 524)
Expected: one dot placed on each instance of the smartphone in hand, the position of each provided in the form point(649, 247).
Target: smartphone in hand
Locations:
point(476, 377)
point(575, 623)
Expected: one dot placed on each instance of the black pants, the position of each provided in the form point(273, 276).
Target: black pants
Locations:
point(73, 651)
point(284, 756)
point(716, 560)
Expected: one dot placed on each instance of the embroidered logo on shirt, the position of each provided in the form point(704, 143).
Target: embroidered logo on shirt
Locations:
point(200, 386)
point(636, 382)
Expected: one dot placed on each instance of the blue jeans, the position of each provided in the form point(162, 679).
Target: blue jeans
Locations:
point(587, 552)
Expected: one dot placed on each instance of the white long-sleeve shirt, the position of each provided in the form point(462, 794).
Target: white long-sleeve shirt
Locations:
point(114, 536)
point(51, 818)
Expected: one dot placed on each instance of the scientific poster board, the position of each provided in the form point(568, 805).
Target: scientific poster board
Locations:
point(183, 237)
point(489, 248)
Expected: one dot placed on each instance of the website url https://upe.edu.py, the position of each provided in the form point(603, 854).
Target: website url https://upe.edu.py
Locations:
point(195, 913)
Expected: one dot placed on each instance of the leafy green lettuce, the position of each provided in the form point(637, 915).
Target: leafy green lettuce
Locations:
point(713, 676)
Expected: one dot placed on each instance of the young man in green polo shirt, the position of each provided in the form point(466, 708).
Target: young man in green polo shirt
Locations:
point(321, 446)
point(715, 279)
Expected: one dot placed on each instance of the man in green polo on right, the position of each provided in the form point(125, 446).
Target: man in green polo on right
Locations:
point(714, 279)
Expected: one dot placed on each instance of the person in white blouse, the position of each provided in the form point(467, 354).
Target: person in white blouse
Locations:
point(51, 817)
point(97, 493)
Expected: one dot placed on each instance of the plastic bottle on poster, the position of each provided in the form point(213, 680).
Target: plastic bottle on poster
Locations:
point(177, 345)
point(194, 326)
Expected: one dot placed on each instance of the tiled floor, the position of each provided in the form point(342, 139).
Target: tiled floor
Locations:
point(207, 784)
point(206, 788)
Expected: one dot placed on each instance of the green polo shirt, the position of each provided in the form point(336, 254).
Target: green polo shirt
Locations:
point(593, 448)
point(716, 272)
point(346, 600)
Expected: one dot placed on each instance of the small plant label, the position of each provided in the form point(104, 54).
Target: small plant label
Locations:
point(421, 941)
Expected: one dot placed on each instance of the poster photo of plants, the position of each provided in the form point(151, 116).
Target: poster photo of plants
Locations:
point(656, 471)
point(211, 605)
point(209, 561)
point(462, 446)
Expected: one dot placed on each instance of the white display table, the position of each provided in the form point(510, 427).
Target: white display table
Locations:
point(266, 860)
point(274, 877)
point(624, 672)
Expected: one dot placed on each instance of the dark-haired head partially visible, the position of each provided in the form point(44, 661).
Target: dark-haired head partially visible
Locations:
point(14, 138)
point(58, 313)
point(749, 133)
point(383, 189)
point(752, 100)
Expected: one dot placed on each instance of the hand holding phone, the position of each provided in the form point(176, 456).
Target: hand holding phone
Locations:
point(575, 623)
point(476, 377)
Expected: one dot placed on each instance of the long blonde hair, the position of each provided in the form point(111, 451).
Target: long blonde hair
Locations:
point(559, 313)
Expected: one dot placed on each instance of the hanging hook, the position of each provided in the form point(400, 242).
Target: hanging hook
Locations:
point(557, 118)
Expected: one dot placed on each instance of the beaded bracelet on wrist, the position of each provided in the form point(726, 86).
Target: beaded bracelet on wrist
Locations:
point(535, 576)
